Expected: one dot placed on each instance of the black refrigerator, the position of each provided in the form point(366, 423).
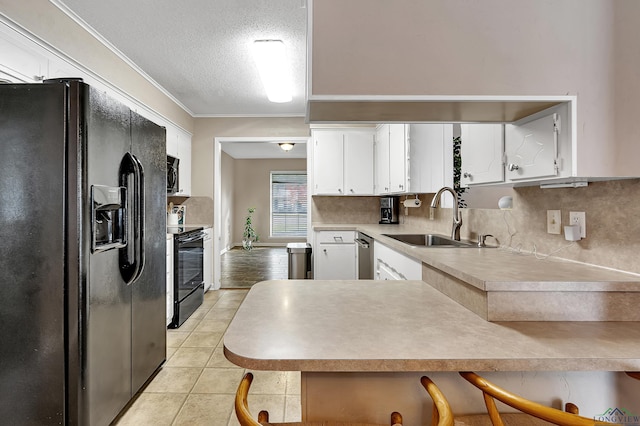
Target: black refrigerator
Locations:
point(82, 253)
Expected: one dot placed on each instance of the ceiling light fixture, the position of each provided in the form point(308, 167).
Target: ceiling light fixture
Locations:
point(286, 146)
point(271, 59)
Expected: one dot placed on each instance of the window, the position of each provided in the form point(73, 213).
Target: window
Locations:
point(288, 204)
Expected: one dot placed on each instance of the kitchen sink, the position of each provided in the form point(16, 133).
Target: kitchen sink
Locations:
point(429, 240)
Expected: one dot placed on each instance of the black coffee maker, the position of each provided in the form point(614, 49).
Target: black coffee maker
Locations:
point(389, 208)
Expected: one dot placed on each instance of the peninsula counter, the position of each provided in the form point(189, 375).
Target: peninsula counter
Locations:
point(362, 346)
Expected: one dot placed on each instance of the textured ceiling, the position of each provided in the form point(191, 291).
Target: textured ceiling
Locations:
point(199, 50)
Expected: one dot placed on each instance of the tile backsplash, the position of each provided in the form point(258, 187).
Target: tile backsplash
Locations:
point(612, 213)
point(199, 211)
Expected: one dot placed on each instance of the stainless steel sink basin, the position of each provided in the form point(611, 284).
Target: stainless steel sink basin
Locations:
point(429, 240)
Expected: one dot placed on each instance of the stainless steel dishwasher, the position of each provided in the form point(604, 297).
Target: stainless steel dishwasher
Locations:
point(365, 256)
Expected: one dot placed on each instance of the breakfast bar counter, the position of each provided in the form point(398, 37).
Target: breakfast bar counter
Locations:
point(362, 346)
point(408, 326)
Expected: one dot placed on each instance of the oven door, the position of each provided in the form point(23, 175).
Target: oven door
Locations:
point(190, 265)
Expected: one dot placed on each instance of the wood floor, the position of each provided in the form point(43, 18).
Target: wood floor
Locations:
point(241, 268)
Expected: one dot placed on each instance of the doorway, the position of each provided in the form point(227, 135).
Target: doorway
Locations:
point(226, 220)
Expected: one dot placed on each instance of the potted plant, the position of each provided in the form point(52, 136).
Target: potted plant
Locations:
point(249, 236)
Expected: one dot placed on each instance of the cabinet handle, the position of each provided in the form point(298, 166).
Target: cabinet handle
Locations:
point(340, 190)
point(513, 167)
point(324, 250)
point(467, 175)
point(352, 191)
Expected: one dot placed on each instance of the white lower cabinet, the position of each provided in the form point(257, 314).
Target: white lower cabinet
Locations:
point(208, 259)
point(169, 278)
point(392, 265)
point(335, 256)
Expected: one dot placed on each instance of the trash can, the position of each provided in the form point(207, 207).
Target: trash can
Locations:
point(299, 260)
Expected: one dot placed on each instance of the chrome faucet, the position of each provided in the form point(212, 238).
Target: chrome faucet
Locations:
point(457, 216)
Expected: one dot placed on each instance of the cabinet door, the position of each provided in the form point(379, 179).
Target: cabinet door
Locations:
point(327, 162)
point(481, 150)
point(397, 158)
point(430, 157)
point(358, 163)
point(184, 154)
point(382, 160)
point(531, 148)
point(384, 273)
point(21, 64)
point(169, 282)
point(172, 141)
point(335, 262)
point(207, 253)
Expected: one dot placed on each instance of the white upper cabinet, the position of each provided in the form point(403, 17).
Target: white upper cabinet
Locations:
point(343, 161)
point(482, 151)
point(430, 157)
point(532, 150)
point(382, 160)
point(328, 158)
point(391, 159)
point(184, 154)
point(398, 157)
point(19, 64)
point(172, 142)
point(538, 146)
point(179, 145)
point(358, 163)
point(413, 158)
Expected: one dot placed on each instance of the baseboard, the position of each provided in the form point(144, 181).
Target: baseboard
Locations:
point(261, 245)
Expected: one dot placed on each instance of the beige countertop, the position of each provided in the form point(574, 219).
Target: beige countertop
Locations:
point(358, 326)
point(494, 269)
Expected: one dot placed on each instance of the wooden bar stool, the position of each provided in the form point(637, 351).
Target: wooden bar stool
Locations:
point(245, 419)
point(441, 414)
point(539, 411)
point(634, 374)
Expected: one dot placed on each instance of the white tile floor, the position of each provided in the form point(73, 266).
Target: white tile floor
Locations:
point(197, 385)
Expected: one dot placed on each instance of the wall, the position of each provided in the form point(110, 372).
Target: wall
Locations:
point(206, 129)
point(612, 210)
point(227, 173)
point(199, 211)
point(252, 189)
point(492, 47)
point(46, 21)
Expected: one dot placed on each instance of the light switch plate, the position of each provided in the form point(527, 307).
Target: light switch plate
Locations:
point(554, 221)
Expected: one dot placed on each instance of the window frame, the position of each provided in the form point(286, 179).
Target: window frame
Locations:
point(304, 232)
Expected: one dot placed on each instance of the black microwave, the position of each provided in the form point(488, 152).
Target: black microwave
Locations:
point(172, 175)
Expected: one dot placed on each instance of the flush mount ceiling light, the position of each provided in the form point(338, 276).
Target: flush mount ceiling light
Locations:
point(271, 59)
point(286, 146)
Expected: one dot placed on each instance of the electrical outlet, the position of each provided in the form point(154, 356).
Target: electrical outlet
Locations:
point(554, 220)
point(580, 219)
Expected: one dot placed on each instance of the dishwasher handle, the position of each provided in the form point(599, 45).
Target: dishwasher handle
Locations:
point(362, 243)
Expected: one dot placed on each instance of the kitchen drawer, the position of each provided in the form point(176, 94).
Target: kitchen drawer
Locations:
point(336, 237)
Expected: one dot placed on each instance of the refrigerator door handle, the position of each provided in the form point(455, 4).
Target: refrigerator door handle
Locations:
point(130, 269)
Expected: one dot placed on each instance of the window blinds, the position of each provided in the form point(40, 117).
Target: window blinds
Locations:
point(288, 204)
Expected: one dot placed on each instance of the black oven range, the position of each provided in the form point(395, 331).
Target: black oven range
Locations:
point(188, 276)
